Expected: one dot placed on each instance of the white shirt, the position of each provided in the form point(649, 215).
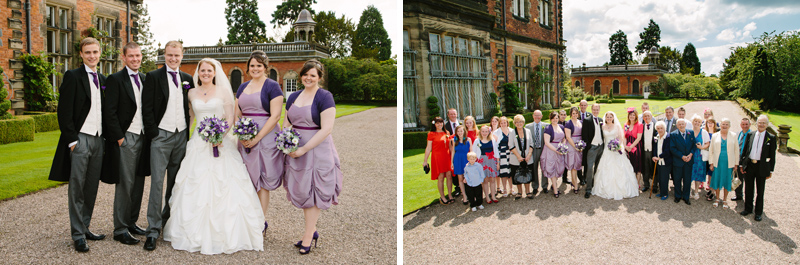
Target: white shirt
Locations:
point(136, 125)
point(173, 119)
point(669, 124)
point(597, 140)
point(758, 141)
point(536, 133)
point(93, 125)
point(661, 149)
point(583, 115)
point(648, 136)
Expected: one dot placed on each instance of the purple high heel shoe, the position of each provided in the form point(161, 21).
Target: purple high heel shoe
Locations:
point(264, 232)
point(300, 243)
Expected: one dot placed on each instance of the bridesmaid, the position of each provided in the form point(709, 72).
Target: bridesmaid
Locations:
point(633, 136)
point(553, 164)
point(472, 128)
point(258, 99)
point(486, 149)
point(313, 177)
point(574, 156)
point(501, 136)
point(459, 147)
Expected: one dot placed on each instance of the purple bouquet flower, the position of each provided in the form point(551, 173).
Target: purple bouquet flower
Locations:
point(580, 145)
point(562, 149)
point(245, 129)
point(287, 140)
point(614, 145)
point(212, 130)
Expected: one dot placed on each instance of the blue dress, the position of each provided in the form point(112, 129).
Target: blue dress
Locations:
point(460, 157)
point(699, 166)
point(710, 172)
point(721, 177)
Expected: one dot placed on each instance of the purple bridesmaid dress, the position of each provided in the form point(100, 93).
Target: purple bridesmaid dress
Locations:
point(265, 161)
point(574, 157)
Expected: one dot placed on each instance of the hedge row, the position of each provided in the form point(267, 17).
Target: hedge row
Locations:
point(658, 98)
point(20, 129)
point(610, 101)
point(45, 121)
point(630, 97)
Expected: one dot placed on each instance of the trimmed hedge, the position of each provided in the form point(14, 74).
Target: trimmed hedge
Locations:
point(657, 98)
point(415, 140)
point(610, 101)
point(630, 97)
point(20, 129)
point(45, 121)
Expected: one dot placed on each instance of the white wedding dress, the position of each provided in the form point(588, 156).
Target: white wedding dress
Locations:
point(214, 207)
point(614, 178)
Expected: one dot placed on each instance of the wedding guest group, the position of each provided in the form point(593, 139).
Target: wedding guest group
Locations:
point(603, 156)
point(129, 125)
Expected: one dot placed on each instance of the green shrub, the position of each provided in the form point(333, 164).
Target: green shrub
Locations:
point(566, 104)
point(38, 90)
point(415, 140)
point(5, 104)
point(495, 105)
point(589, 98)
point(651, 97)
point(609, 101)
point(44, 122)
point(752, 105)
point(546, 107)
point(631, 97)
point(433, 109)
point(20, 129)
point(511, 96)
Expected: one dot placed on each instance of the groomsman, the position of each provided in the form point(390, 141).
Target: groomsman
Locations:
point(745, 125)
point(670, 119)
point(165, 115)
point(450, 126)
point(648, 134)
point(681, 146)
point(583, 106)
point(537, 131)
point(592, 135)
point(758, 159)
point(126, 164)
point(79, 154)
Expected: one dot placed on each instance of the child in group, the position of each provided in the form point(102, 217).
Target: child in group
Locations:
point(459, 147)
point(473, 177)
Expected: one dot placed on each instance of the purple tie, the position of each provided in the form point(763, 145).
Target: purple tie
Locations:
point(96, 83)
point(648, 126)
point(174, 78)
point(136, 80)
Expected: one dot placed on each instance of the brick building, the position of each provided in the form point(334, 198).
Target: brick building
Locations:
point(460, 51)
point(54, 27)
point(632, 80)
point(285, 59)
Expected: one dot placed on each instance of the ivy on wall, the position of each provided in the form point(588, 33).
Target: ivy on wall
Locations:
point(38, 90)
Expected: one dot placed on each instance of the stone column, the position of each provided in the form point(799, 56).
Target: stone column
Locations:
point(783, 137)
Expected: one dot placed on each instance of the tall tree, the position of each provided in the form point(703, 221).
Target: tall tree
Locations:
point(244, 25)
point(334, 32)
point(648, 38)
point(618, 46)
point(286, 13)
point(145, 39)
point(765, 83)
point(669, 59)
point(371, 39)
point(690, 64)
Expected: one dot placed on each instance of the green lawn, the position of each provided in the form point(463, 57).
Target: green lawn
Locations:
point(25, 166)
point(777, 117)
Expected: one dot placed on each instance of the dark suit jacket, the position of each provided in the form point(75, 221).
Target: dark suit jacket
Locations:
point(118, 111)
point(74, 103)
point(587, 135)
point(679, 147)
point(674, 127)
point(763, 168)
point(447, 126)
point(665, 154)
point(155, 95)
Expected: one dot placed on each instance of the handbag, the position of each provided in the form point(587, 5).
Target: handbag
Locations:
point(523, 175)
point(426, 168)
point(736, 181)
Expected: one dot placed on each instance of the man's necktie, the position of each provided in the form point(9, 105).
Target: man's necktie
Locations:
point(96, 83)
point(136, 80)
point(174, 78)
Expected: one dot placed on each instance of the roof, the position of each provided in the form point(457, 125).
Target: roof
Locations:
point(304, 17)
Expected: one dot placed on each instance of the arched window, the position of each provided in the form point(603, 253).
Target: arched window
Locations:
point(597, 87)
point(616, 86)
point(273, 74)
point(236, 79)
point(289, 83)
point(636, 87)
point(577, 83)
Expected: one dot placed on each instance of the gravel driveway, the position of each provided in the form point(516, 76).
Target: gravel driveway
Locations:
point(34, 229)
point(575, 230)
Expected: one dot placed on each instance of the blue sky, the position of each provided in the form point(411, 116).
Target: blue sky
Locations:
point(713, 26)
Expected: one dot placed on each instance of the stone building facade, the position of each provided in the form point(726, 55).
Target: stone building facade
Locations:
point(54, 27)
point(461, 51)
point(627, 80)
point(285, 59)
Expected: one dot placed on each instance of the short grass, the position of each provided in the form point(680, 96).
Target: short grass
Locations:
point(25, 166)
point(777, 117)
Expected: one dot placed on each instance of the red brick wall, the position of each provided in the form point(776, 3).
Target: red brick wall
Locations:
point(281, 67)
point(607, 82)
point(529, 28)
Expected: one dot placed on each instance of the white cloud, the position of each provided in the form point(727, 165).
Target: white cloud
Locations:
point(712, 58)
point(726, 35)
point(776, 11)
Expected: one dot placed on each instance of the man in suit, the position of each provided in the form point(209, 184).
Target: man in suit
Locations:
point(583, 105)
point(125, 165)
point(742, 137)
point(758, 159)
point(681, 146)
point(537, 132)
point(670, 119)
point(648, 134)
point(450, 126)
point(79, 154)
point(592, 135)
point(165, 115)
point(645, 107)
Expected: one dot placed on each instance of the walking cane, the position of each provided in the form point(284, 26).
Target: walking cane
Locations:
point(653, 179)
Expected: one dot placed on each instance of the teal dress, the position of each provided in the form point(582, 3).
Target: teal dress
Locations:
point(721, 177)
point(699, 166)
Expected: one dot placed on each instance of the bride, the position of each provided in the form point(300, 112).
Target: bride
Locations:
point(214, 208)
point(614, 178)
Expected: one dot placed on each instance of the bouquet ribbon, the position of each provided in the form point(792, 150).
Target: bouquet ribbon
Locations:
point(256, 114)
point(305, 128)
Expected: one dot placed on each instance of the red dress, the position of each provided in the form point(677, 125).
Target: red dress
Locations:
point(440, 154)
point(635, 155)
point(472, 135)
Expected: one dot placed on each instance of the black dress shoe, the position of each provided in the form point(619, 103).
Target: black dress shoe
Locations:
point(135, 230)
point(677, 200)
point(645, 189)
point(745, 213)
point(126, 239)
point(687, 202)
point(655, 190)
point(81, 246)
point(587, 194)
point(93, 236)
point(583, 183)
point(150, 243)
point(544, 190)
point(758, 218)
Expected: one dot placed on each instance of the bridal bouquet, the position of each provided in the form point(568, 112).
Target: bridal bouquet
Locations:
point(245, 129)
point(562, 149)
point(212, 130)
point(286, 140)
point(580, 145)
point(614, 145)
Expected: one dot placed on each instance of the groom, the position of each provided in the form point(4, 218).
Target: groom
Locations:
point(592, 135)
point(165, 114)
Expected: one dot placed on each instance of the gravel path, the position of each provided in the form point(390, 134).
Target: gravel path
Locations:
point(34, 229)
point(574, 230)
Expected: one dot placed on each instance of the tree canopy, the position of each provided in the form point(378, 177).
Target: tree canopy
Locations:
point(648, 38)
point(371, 39)
point(286, 13)
point(145, 39)
point(690, 64)
point(618, 47)
point(244, 25)
point(334, 32)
